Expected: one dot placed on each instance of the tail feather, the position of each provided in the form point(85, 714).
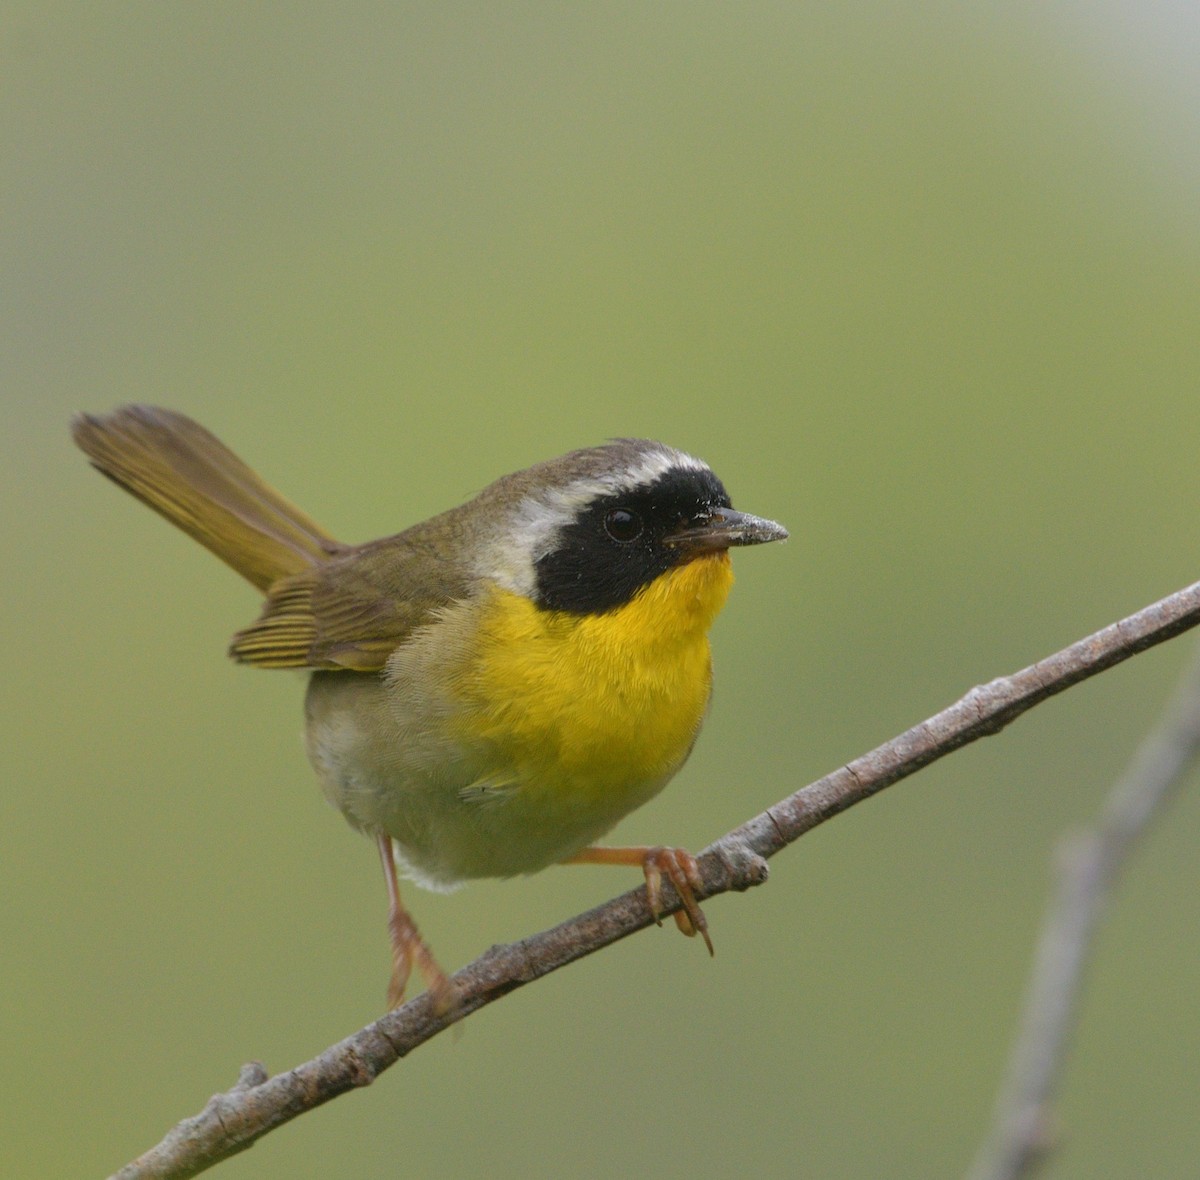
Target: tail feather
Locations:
point(187, 475)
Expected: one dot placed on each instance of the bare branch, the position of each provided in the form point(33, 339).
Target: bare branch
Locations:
point(234, 1120)
point(1089, 862)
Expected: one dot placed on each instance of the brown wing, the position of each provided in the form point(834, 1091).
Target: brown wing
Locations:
point(353, 610)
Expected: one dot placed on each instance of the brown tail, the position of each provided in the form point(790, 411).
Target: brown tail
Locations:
point(195, 481)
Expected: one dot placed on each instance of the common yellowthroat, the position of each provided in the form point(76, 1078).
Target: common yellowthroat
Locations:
point(494, 688)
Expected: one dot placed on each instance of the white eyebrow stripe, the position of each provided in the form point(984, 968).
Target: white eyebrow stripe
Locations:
point(654, 464)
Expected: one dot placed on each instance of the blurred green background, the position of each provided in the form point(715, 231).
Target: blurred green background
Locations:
point(921, 281)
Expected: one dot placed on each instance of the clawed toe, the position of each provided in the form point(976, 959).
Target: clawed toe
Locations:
point(676, 864)
point(680, 868)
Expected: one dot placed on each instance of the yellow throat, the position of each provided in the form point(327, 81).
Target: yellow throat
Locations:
point(595, 712)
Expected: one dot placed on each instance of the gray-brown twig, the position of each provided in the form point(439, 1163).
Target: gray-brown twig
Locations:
point(1089, 862)
point(234, 1120)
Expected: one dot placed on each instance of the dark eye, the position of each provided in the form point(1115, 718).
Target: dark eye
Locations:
point(623, 525)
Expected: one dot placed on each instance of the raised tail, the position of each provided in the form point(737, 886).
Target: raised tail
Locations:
point(196, 482)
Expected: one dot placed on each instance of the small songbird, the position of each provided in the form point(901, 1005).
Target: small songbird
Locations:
point(494, 688)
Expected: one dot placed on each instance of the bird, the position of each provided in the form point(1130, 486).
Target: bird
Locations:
point(491, 690)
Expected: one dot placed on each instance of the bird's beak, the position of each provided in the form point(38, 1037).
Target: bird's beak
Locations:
point(722, 528)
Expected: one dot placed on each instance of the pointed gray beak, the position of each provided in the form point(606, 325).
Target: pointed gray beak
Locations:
point(724, 528)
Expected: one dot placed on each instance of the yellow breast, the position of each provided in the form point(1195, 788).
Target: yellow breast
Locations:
point(590, 715)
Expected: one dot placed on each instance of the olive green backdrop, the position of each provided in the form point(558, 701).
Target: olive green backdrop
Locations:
point(921, 281)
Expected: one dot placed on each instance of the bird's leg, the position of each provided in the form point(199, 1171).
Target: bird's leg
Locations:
point(407, 944)
point(679, 867)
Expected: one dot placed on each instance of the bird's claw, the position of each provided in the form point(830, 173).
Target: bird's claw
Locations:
point(680, 868)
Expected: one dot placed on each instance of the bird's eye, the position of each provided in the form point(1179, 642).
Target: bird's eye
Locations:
point(623, 525)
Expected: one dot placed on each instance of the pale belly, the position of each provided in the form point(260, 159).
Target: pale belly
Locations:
point(458, 809)
point(499, 742)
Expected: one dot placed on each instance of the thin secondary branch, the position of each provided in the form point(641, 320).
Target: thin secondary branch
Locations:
point(1089, 863)
point(234, 1120)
